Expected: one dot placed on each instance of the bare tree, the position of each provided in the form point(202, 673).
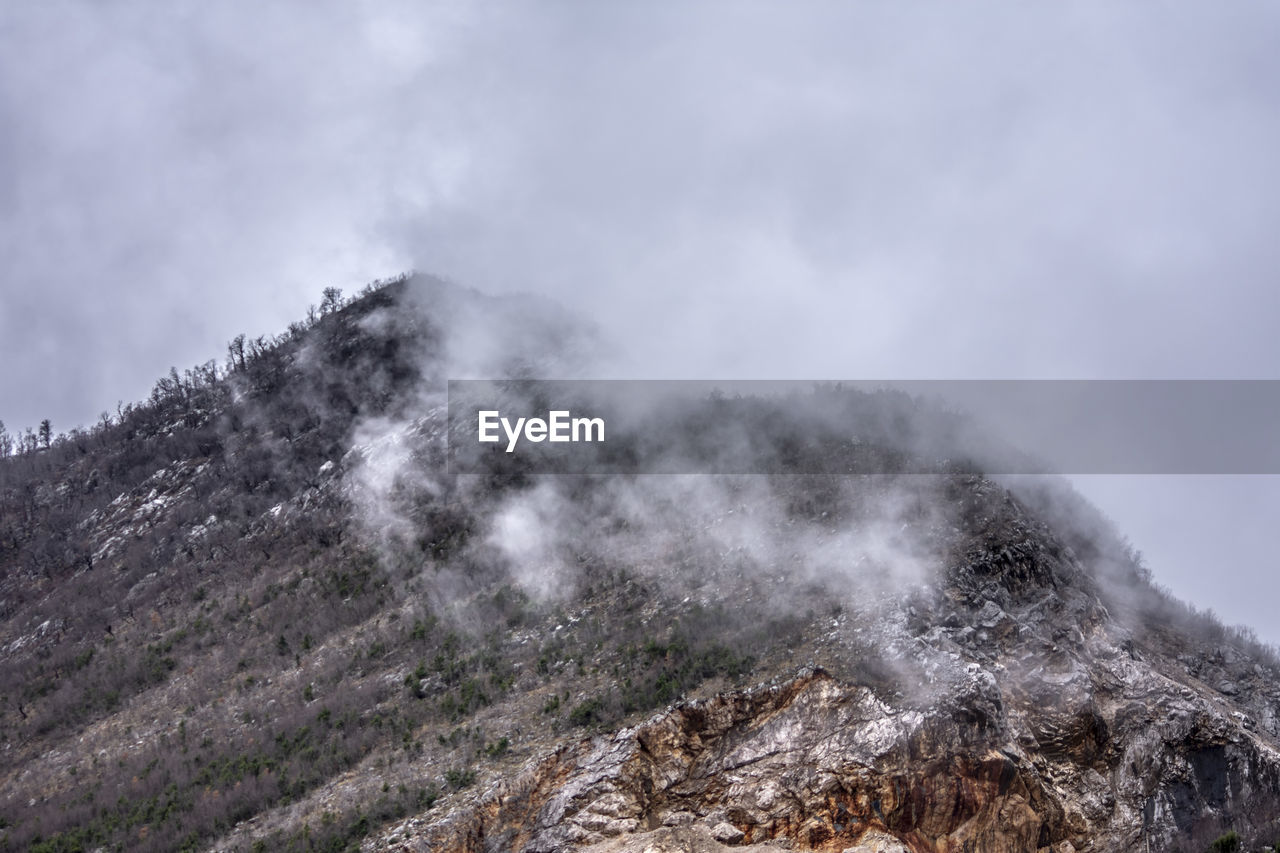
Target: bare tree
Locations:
point(331, 301)
point(235, 353)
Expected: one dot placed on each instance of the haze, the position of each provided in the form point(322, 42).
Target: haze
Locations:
point(727, 190)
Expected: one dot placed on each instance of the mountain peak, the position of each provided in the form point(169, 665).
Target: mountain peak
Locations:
point(260, 609)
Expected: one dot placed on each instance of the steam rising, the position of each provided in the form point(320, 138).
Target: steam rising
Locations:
point(783, 540)
point(923, 573)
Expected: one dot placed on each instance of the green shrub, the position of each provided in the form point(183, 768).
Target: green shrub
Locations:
point(588, 712)
point(459, 778)
point(1228, 843)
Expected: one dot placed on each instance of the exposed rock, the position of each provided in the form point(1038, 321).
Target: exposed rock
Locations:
point(816, 764)
point(727, 833)
point(875, 841)
point(257, 611)
point(1080, 747)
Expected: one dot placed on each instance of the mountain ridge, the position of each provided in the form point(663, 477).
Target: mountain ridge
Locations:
point(255, 610)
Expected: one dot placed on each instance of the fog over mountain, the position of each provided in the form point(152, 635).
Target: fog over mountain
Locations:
point(812, 191)
point(730, 191)
point(276, 606)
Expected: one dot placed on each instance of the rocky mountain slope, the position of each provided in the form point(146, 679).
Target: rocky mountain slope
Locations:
point(257, 612)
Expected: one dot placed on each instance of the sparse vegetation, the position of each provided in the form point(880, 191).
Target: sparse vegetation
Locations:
point(1228, 842)
point(460, 777)
point(498, 748)
point(187, 586)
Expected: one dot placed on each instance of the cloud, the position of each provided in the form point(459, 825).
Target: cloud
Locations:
point(812, 190)
point(817, 190)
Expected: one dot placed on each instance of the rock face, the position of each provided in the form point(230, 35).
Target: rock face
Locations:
point(1036, 723)
point(809, 763)
point(259, 611)
point(815, 764)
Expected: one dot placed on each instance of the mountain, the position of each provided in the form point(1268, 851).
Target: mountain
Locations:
point(260, 611)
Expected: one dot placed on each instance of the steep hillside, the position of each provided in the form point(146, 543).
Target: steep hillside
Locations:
point(257, 612)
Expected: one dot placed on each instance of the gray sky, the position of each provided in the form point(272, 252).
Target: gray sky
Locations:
point(821, 190)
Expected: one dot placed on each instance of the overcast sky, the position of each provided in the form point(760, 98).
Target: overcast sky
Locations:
point(785, 190)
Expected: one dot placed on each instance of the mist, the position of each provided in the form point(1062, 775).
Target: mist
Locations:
point(328, 558)
point(754, 191)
